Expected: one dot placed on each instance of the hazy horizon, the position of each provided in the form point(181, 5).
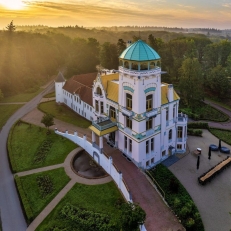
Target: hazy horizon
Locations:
point(163, 13)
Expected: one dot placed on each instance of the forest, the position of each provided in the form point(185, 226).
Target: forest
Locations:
point(196, 65)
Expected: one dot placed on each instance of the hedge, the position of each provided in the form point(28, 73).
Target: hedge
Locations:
point(194, 132)
point(201, 125)
point(26, 205)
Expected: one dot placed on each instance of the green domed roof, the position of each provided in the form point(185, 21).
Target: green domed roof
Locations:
point(139, 51)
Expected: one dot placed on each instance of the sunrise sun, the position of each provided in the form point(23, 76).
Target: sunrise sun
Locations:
point(12, 4)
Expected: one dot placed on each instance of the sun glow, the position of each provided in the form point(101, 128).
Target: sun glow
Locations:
point(12, 4)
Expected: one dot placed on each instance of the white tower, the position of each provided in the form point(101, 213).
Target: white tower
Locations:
point(140, 102)
point(59, 82)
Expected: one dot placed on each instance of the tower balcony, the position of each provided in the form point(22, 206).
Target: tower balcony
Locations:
point(182, 119)
point(140, 73)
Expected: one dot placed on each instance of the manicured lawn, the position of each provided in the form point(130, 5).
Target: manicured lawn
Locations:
point(63, 113)
point(224, 135)
point(49, 95)
point(6, 111)
point(33, 195)
point(97, 198)
point(23, 97)
point(26, 141)
point(178, 198)
point(206, 112)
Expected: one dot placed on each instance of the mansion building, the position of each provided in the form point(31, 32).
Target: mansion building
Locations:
point(130, 107)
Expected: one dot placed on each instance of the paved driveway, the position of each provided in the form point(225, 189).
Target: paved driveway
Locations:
point(213, 199)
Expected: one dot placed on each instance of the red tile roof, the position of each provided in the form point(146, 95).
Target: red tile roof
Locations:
point(81, 85)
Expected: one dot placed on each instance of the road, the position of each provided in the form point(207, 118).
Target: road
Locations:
point(11, 212)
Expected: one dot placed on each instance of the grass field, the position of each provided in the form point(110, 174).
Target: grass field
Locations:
point(24, 142)
point(23, 97)
point(63, 113)
point(224, 135)
point(6, 111)
point(98, 198)
point(49, 95)
point(32, 191)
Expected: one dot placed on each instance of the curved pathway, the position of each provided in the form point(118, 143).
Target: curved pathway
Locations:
point(74, 178)
point(11, 212)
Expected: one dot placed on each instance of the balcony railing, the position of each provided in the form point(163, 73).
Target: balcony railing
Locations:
point(152, 113)
point(182, 117)
point(140, 73)
point(103, 124)
point(126, 112)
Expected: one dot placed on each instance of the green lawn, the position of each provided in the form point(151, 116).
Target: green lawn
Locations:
point(23, 97)
point(224, 135)
point(63, 113)
point(6, 111)
point(178, 198)
point(25, 141)
point(32, 191)
point(49, 95)
point(97, 198)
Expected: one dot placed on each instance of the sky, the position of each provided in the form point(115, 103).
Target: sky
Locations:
point(95, 13)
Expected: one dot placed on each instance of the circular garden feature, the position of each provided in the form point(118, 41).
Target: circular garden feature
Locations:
point(84, 165)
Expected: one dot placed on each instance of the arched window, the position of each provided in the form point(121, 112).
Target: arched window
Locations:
point(126, 65)
point(135, 66)
point(121, 63)
point(144, 66)
point(170, 134)
point(98, 91)
point(158, 63)
point(152, 65)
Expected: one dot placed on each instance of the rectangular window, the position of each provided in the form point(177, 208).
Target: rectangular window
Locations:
point(147, 146)
point(84, 105)
point(129, 101)
point(112, 112)
point(174, 111)
point(85, 114)
point(97, 106)
point(152, 144)
point(179, 132)
point(125, 142)
point(164, 153)
point(149, 124)
point(179, 146)
point(90, 108)
point(149, 103)
point(167, 114)
point(147, 163)
point(152, 161)
point(130, 145)
point(128, 122)
point(101, 107)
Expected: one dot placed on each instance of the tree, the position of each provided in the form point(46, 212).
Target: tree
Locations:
point(154, 42)
point(108, 56)
point(121, 46)
point(132, 216)
point(191, 82)
point(11, 27)
point(1, 95)
point(48, 120)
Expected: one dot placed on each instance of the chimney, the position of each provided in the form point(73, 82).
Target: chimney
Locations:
point(170, 93)
point(129, 43)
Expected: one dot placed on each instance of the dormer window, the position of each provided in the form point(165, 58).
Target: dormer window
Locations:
point(98, 91)
point(128, 101)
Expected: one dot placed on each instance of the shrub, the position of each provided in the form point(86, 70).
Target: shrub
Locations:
point(45, 185)
point(201, 125)
point(194, 132)
point(24, 201)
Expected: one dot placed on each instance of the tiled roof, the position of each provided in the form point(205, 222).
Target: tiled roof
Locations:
point(81, 85)
point(139, 51)
point(113, 91)
point(59, 78)
point(164, 94)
